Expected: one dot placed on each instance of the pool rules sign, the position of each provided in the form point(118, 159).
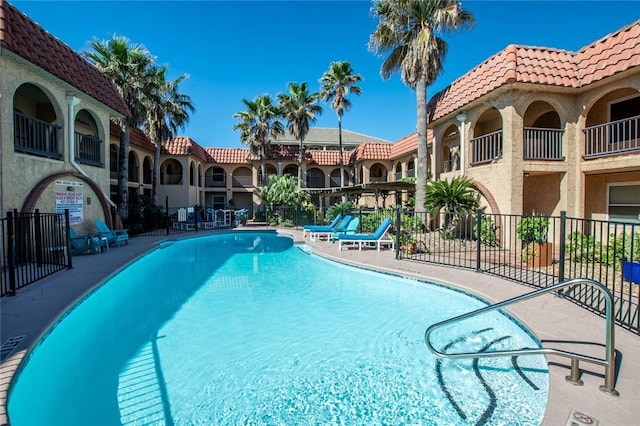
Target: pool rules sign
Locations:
point(70, 198)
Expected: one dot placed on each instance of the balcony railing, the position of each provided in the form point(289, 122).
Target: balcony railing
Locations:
point(446, 166)
point(377, 179)
point(33, 136)
point(88, 150)
point(486, 148)
point(398, 176)
point(334, 181)
point(315, 182)
point(172, 179)
point(542, 144)
point(242, 181)
point(215, 181)
point(612, 138)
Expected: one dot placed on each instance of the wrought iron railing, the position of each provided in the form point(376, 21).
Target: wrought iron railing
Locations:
point(486, 148)
point(88, 150)
point(37, 137)
point(542, 144)
point(242, 181)
point(615, 137)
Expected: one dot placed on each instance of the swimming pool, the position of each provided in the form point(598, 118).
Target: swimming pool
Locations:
point(247, 328)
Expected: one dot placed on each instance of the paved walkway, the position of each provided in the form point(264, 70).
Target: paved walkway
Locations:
point(555, 321)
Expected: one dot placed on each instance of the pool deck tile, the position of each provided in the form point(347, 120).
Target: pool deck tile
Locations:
point(556, 322)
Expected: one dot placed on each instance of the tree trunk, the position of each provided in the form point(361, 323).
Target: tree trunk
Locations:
point(300, 165)
point(341, 156)
point(123, 173)
point(155, 173)
point(421, 129)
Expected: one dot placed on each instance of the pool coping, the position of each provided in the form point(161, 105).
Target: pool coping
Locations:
point(38, 305)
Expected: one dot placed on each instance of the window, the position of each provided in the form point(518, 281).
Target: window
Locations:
point(219, 202)
point(624, 203)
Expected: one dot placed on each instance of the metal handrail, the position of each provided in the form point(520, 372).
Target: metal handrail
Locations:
point(608, 362)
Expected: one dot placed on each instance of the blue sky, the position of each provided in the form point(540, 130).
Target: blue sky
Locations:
point(241, 49)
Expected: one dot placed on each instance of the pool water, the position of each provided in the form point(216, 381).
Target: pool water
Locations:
point(248, 328)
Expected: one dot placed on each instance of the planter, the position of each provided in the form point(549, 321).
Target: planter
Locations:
point(630, 271)
point(409, 248)
point(541, 255)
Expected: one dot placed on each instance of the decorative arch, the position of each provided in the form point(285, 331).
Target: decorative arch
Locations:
point(32, 199)
point(378, 173)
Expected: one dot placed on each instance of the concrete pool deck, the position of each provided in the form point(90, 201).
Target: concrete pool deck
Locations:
point(556, 322)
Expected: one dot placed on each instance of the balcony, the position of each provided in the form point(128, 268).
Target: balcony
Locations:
point(543, 144)
point(613, 138)
point(88, 150)
point(134, 173)
point(486, 148)
point(242, 182)
point(147, 176)
point(215, 181)
point(315, 182)
point(37, 137)
point(172, 179)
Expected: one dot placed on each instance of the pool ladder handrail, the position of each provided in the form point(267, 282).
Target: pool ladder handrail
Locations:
point(574, 378)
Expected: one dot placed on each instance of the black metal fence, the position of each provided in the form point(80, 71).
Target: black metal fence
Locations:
point(34, 245)
point(534, 250)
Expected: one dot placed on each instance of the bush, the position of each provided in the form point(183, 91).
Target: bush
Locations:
point(488, 234)
point(533, 229)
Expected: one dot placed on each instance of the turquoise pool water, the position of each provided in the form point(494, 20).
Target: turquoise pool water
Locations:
point(247, 328)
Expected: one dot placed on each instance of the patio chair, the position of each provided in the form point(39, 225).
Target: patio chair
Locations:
point(377, 239)
point(205, 223)
point(115, 236)
point(184, 219)
point(350, 229)
point(326, 233)
point(81, 244)
point(306, 229)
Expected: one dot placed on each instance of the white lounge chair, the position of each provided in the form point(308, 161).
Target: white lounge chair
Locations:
point(378, 239)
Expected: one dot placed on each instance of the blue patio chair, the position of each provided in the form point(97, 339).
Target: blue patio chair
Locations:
point(81, 244)
point(115, 236)
point(307, 229)
point(327, 232)
point(377, 239)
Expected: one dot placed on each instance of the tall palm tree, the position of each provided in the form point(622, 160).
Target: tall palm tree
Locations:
point(408, 30)
point(166, 111)
point(337, 83)
point(128, 66)
point(258, 125)
point(299, 108)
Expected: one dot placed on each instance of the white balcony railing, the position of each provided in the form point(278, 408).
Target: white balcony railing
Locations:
point(612, 138)
point(542, 144)
point(486, 148)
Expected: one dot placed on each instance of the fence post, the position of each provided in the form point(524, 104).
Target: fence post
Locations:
point(37, 228)
point(166, 209)
point(563, 237)
point(478, 239)
point(398, 225)
point(11, 253)
point(67, 237)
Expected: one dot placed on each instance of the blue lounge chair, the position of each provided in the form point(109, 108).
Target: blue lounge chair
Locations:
point(326, 233)
point(377, 239)
point(205, 223)
point(350, 230)
point(306, 229)
point(115, 236)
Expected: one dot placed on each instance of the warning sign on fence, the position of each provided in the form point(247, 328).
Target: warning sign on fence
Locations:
point(73, 202)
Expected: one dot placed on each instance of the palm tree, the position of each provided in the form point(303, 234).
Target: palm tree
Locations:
point(167, 110)
point(258, 125)
point(408, 30)
point(128, 66)
point(337, 83)
point(455, 198)
point(299, 108)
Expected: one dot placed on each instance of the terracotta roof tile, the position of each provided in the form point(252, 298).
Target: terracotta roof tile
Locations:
point(612, 54)
point(24, 37)
point(137, 137)
point(370, 151)
point(404, 146)
point(326, 157)
point(228, 155)
point(182, 145)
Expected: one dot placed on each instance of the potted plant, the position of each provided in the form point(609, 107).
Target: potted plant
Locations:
point(536, 250)
point(630, 262)
point(408, 243)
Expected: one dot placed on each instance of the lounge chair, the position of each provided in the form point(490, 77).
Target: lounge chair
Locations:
point(351, 229)
point(184, 220)
point(377, 239)
point(307, 229)
point(81, 244)
point(204, 223)
point(341, 227)
point(115, 236)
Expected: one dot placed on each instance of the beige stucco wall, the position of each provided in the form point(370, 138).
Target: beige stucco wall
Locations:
point(20, 173)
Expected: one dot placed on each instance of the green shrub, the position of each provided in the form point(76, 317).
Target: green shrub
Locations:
point(488, 234)
point(533, 229)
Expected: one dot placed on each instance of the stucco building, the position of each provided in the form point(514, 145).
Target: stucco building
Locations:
point(537, 129)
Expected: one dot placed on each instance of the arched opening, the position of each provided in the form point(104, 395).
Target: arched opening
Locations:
point(486, 145)
point(114, 165)
point(542, 133)
point(88, 144)
point(242, 178)
point(215, 177)
point(192, 173)
point(315, 178)
point(171, 172)
point(147, 170)
point(36, 127)
point(134, 167)
point(271, 170)
point(378, 173)
point(451, 149)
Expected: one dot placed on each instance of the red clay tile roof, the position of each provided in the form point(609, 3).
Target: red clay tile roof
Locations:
point(182, 145)
point(137, 137)
point(328, 157)
point(406, 145)
point(228, 155)
point(614, 53)
point(24, 37)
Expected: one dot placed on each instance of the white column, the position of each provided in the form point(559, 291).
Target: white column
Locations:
point(462, 118)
